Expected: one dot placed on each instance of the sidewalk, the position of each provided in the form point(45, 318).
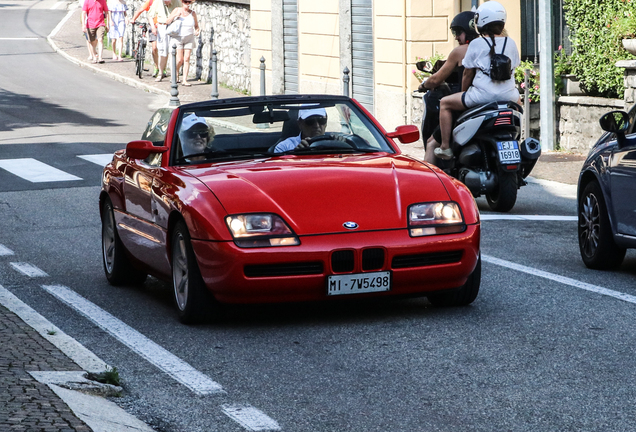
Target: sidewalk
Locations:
point(69, 41)
point(25, 403)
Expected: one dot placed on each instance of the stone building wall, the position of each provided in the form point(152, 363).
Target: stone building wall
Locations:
point(230, 23)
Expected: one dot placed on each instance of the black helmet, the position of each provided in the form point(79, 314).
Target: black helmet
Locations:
point(464, 21)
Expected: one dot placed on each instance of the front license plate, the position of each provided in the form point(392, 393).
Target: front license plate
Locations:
point(509, 152)
point(359, 283)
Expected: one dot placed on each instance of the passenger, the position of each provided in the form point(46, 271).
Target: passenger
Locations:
point(196, 137)
point(450, 73)
point(312, 123)
point(478, 87)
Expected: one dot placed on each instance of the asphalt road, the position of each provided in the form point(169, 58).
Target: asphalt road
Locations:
point(543, 348)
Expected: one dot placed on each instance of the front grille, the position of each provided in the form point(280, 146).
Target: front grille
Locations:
point(429, 259)
point(342, 261)
point(289, 269)
point(372, 259)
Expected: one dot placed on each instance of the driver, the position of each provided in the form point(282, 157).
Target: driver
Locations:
point(312, 123)
point(196, 136)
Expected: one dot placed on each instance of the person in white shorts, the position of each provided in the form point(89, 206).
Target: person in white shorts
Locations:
point(185, 40)
point(161, 10)
point(478, 88)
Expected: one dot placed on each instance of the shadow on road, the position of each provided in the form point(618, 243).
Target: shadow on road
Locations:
point(19, 111)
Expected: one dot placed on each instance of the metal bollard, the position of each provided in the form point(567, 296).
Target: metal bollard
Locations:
point(174, 92)
point(526, 104)
point(262, 68)
point(215, 78)
point(211, 50)
point(345, 81)
point(199, 58)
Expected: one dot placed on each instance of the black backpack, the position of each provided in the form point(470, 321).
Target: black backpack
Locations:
point(500, 64)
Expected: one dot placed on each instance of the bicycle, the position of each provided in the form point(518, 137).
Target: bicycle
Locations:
point(139, 51)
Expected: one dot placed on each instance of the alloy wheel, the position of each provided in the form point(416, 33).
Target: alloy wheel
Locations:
point(180, 275)
point(590, 225)
point(108, 240)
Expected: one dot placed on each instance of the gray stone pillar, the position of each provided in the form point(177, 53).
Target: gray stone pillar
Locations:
point(630, 82)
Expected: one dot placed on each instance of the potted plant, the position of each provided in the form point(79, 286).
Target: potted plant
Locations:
point(566, 82)
point(624, 28)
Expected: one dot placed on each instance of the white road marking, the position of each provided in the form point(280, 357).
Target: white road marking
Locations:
point(69, 346)
point(154, 353)
point(58, 4)
point(495, 216)
point(250, 418)
point(561, 279)
point(35, 171)
point(28, 269)
point(19, 38)
point(100, 159)
point(5, 251)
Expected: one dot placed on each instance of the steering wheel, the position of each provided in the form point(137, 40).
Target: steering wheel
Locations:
point(341, 141)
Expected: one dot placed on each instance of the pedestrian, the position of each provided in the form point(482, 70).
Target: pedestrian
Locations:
point(88, 43)
point(162, 10)
point(151, 36)
point(185, 40)
point(93, 16)
point(118, 13)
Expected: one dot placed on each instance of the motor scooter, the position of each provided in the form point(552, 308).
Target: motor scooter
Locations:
point(489, 157)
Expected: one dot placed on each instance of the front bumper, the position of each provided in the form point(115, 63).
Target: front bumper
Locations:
point(299, 273)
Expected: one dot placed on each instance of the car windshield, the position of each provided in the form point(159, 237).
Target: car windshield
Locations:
point(254, 130)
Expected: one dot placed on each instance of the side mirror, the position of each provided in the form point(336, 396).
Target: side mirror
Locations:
point(142, 149)
point(424, 66)
point(615, 121)
point(406, 134)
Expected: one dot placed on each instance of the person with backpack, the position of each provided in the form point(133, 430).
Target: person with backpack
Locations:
point(488, 71)
point(450, 73)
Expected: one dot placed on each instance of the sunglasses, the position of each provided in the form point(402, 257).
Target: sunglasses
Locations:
point(186, 1)
point(311, 121)
point(201, 134)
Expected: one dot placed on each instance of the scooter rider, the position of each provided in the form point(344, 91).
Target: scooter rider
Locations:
point(478, 87)
point(450, 73)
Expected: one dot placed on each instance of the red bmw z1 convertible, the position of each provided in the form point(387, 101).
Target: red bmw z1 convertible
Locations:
point(285, 199)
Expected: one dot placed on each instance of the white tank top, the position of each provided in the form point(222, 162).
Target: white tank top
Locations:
point(187, 25)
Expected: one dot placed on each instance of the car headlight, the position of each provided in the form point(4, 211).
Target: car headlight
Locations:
point(435, 218)
point(260, 230)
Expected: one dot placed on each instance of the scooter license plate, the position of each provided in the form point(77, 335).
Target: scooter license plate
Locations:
point(509, 152)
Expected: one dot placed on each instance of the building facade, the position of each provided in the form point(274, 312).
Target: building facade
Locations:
point(307, 44)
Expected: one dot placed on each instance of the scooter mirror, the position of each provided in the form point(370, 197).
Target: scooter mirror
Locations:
point(424, 66)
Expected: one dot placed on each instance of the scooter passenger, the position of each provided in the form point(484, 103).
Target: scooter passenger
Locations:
point(478, 87)
point(451, 73)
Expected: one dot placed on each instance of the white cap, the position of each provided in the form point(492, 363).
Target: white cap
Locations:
point(306, 113)
point(192, 120)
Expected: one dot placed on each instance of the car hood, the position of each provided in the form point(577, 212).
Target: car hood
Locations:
point(318, 195)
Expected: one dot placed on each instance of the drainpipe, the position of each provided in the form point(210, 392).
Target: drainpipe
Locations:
point(406, 69)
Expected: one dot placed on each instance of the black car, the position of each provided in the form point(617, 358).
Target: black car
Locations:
point(607, 194)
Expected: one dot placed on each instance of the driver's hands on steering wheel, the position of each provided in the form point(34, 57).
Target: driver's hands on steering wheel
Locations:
point(304, 143)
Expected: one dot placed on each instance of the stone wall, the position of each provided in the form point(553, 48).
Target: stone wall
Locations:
point(230, 23)
point(578, 127)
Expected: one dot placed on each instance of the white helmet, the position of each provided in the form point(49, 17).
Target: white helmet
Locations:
point(490, 12)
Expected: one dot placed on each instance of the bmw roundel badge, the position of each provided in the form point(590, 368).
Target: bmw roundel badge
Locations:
point(350, 225)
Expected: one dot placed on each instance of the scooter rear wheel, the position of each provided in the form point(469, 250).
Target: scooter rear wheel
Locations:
point(504, 196)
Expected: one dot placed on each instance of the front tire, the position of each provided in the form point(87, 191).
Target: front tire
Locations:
point(596, 240)
point(504, 196)
point(192, 298)
point(463, 296)
point(117, 267)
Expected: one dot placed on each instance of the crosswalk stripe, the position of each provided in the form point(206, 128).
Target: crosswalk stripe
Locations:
point(100, 159)
point(35, 171)
point(5, 251)
point(28, 269)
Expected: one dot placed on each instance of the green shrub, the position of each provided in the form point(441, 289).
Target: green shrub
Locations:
point(597, 29)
